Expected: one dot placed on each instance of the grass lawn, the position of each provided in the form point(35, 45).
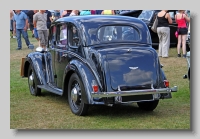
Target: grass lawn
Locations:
point(50, 111)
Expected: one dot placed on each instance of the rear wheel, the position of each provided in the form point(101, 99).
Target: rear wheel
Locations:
point(75, 91)
point(33, 82)
point(148, 105)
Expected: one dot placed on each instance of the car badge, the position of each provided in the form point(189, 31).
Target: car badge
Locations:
point(129, 50)
point(133, 68)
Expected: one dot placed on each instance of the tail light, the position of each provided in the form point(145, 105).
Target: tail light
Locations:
point(95, 86)
point(166, 83)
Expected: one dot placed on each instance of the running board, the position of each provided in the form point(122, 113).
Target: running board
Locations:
point(50, 89)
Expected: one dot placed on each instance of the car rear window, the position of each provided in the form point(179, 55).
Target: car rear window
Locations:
point(118, 33)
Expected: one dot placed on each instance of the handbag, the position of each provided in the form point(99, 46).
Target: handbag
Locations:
point(154, 27)
point(176, 34)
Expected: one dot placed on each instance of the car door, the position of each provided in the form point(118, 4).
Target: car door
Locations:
point(61, 49)
point(51, 47)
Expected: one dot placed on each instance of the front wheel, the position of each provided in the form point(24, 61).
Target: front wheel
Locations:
point(75, 91)
point(33, 82)
point(148, 105)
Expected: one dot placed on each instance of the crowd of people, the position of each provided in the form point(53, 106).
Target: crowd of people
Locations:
point(39, 21)
point(163, 30)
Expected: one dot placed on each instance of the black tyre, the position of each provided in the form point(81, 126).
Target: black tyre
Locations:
point(148, 105)
point(75, 91)
point(33, 82)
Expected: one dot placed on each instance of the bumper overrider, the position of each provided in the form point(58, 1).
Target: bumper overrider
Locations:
point(134, 92)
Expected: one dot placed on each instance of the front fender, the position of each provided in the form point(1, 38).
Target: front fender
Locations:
point(86, 74)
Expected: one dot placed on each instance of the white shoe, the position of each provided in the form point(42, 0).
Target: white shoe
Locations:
point(39, 49)
point(45, 49)
point(14, 37)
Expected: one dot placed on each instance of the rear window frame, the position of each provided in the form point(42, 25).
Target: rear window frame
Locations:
point(121, 40)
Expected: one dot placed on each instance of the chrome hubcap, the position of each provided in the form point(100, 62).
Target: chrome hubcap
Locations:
point(74, 94)
point(31, 81)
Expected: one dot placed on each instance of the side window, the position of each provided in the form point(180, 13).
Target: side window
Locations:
point(52, 36)
point(73, 36)
point(62, 40)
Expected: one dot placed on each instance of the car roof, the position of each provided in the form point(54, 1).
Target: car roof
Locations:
point(95, 18)
point(93, 22)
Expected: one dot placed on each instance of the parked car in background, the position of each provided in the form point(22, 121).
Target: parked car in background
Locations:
point(52, 12)
point(148, 16)
point(188, 66)
point(98, 60)
point(187, 75)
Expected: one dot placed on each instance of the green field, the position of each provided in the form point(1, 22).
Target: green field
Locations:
point(50, 111)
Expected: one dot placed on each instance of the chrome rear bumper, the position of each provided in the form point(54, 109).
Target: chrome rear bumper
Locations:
point(135, 92)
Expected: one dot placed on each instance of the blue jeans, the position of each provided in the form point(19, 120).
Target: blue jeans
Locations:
point(25, 36)
point(11, 25)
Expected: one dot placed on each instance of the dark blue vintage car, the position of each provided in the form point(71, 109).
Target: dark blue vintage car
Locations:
point(98, 59)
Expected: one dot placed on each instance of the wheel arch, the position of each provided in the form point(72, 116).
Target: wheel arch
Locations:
point(66, 82)
point(36, 61)
point(26, 66)
point(85, 75)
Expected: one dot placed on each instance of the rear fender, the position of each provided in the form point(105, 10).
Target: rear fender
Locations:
point(86, 74)
point(36, 60)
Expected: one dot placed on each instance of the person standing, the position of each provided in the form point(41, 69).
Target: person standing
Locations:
point(20, 26)
point(74, 13)
point(93, 12)
point(108, 12)
point(11, 24)
point(30, 14)
point(57, 14)
point(66, 13)
point(85, 12)
point(35, 30)
point(98, 12)
point(182, 19)
point(49, 18)
point(40, 23)
point(163, 31)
